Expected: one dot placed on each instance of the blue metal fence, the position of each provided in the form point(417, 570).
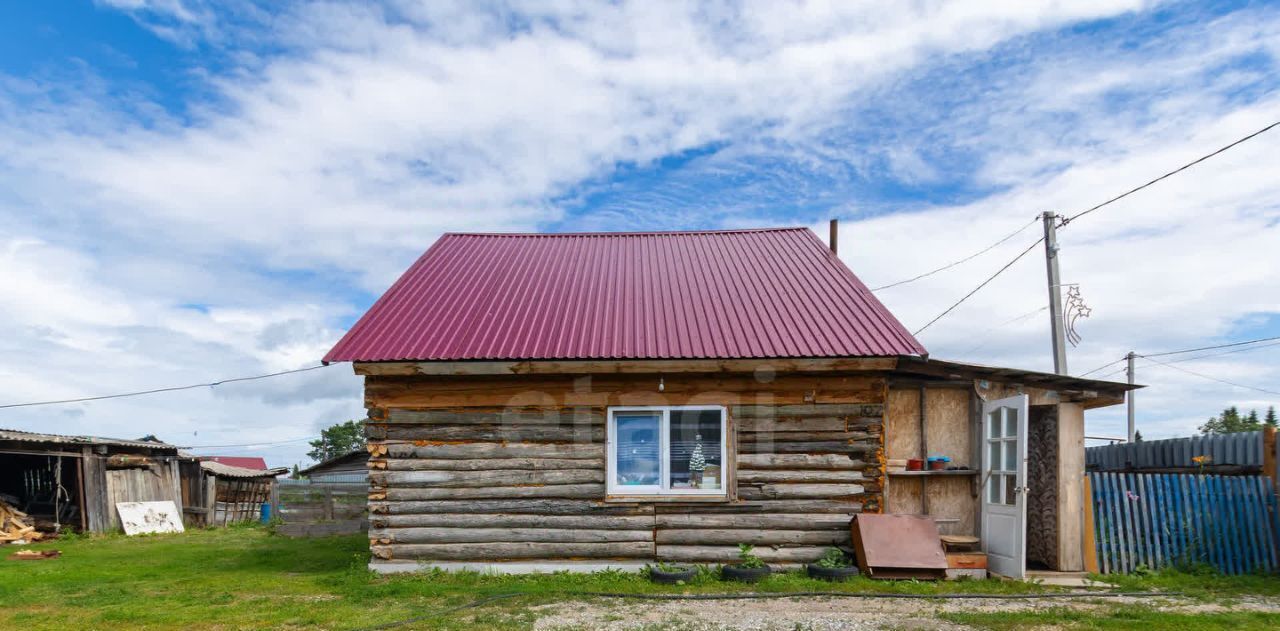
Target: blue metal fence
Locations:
point(1241, 450)
point(1160, 520)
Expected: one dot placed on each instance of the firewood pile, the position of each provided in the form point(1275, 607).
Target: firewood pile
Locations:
point(16, 526)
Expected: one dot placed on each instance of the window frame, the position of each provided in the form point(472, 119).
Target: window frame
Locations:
point(615, 490)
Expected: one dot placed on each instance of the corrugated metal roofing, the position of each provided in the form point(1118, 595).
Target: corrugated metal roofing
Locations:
point(244, 462)
point(730, 294)
point(228, 471)
point(34, 437)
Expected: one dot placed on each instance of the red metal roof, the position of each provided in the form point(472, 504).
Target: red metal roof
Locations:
point(244, 462)
point(653, 295)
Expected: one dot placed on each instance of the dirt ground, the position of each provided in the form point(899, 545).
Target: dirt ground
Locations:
point(834, 614)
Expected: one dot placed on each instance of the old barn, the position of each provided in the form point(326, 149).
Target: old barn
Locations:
point(548, 401)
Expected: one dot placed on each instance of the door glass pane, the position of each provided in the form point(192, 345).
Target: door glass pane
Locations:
point(695, 450)
point(993, 424)
point(637, 444)
point(1010, 422)
point(994, 493)
point(1010, 455)
point(993, 455)
point(1010, 483)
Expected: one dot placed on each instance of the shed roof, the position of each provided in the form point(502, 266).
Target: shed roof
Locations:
point(62, 439)
point(228, 471)
point(732, 294)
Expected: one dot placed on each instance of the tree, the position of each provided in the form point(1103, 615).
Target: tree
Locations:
point(1232, 421)
point(1137, 436)
point(338, 440)
point(296, 474)
point(1271, 417)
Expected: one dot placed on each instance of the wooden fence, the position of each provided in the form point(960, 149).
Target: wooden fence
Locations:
point(319, 509)
point(1160, 520)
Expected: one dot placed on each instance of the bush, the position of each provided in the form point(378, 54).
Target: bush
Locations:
point(747, 558)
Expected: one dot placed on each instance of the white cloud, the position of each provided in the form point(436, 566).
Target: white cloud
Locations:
point(146, 248)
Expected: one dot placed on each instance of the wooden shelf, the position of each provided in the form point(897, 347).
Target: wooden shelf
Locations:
point(933, 473)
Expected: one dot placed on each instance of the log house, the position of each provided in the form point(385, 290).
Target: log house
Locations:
point(582, 401)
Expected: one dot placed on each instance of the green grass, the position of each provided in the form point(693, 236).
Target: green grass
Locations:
point(246, 578)
point(1114, 617)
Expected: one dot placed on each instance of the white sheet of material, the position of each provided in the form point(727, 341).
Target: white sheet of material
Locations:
point(139, 518)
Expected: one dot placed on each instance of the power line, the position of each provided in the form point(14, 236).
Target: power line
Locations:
point(1102, 366)
point(1204, 376)
point(1171, 173)
point(1238, 350)
point(271, 444)
point(984, 284)
point(1210, 348)
point(963, 260)
point(159, 390)
point(986, 337)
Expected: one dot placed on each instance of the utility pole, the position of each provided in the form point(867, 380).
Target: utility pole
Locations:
point(1128, 397)
point(1057, 322)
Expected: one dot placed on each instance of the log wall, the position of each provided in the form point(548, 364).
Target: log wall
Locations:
point(512, 469)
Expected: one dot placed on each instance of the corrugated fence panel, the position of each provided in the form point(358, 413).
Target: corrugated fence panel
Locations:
point(1158, 520)
point(1243, 449)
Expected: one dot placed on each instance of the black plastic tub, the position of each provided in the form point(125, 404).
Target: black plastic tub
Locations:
point(832, 573)
point(678, 575)
point(744, 574)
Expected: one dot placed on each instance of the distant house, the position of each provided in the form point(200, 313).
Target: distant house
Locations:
point(244, 462)
point(578, 401)
point(349, 468)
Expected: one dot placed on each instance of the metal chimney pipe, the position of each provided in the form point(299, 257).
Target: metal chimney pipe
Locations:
point(835, 235)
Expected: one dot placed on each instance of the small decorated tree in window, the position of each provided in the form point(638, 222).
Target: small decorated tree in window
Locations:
point(697, 462)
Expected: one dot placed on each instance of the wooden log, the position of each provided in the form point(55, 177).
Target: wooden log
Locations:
point(488, 464)
point(476, 479)
point(798, 491)
point(799, 476)
point(509, 551)
point(797, 437)
point(728, 554)
point(799, 521)
point(567, 491)
point(509, 520)
point(506, 535)
point(487, 433)
point(809, 410)
point(464, 451)
point(768, 506)
point(605, 390)
point(830, 447)
point(495, 416)
point(530, 506)
point(798, 461)
point(768, 536)
point(805, 424)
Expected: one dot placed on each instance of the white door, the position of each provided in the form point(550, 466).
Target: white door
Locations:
point(1004, 493)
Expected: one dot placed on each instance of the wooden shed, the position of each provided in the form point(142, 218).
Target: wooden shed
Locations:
point(217, 494)
point(76, 481)
point(614, 399)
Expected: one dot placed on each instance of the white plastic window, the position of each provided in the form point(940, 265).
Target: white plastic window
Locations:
point(666, 450)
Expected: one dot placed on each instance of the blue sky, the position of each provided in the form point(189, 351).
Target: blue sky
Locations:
point(191, 190)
